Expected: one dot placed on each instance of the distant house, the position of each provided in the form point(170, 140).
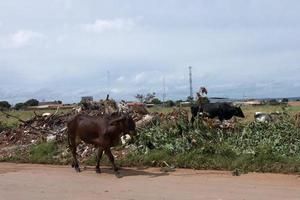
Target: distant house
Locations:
point(218, 100)
point(87, 98)
point(251, 103)
point(135, 104)
point(50, 103)
point(185, 104)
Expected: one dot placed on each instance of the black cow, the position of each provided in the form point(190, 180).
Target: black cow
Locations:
point(223, 111)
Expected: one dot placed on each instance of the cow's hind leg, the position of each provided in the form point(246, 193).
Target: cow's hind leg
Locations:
point(73, 147)
point(112, 160)
point(99, 156)
point(75, 162)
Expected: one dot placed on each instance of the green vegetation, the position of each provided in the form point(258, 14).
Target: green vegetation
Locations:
point(4, 105)
point(44, 153)
point(257, 146)
point(250, 146)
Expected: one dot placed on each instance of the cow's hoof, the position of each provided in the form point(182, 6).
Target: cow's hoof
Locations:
point(98, 171)
point(77, 169)
point(118, 174)
point(116, 169)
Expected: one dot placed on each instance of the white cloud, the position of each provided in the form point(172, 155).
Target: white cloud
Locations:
point(116, 90)
point(140, 77)
point(121, 78)
point(104, 25)
point(24, 37)
point(60, 39)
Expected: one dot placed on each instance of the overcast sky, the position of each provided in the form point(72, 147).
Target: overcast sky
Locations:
point(65, 49)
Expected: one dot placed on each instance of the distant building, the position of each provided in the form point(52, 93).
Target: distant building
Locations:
point(219, 100)
point(50, 103)
point(251, 103)
point(87, 98)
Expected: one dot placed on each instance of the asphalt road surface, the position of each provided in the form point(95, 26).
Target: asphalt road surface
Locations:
point(42, 182)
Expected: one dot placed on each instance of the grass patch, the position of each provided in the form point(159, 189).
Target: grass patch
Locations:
point(44, 153)
point(254, 146)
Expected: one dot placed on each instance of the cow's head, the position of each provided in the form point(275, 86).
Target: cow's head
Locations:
point(126, 124)
point(238, 112)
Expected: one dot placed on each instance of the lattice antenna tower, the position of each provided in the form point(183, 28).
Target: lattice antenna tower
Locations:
point(191, 83)
point(164, 90)
point(108, 81)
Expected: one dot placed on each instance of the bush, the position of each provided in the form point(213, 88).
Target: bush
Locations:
point(31, 102)
point(170, 103)
point(285, 100)
point(257, 146)
point(155, 101)
point(44, 153)
point(4, 105)
point(19, 106)
point(2, 126)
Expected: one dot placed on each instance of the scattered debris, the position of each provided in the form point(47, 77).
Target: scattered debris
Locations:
point(265, 117)
point(49, 127)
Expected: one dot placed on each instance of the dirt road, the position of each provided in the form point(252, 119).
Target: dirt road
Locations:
point(36, 182)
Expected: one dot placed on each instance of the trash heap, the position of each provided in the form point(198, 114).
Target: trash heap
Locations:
point(49, 127)
point(53, 127)
point(40, 128)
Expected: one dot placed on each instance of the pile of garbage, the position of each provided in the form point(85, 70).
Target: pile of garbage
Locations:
point(53, 126)
point(49, 127)
point(40, 128)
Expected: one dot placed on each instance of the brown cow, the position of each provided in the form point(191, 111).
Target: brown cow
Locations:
point(102, 132)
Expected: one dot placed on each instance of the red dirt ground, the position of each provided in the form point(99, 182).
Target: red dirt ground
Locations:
point(35, 182)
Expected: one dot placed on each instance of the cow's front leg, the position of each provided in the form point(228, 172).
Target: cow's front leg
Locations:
point(99, 156)
point(112, 160)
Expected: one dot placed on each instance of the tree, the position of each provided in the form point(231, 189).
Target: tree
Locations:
point(19, 106)
point(156, 101)
point(4, 105)
point(149, 97)
point(31, 102)
point(140, 97)
point(273, 102)
point(178, 102)
point(145, 98)
point(190, 99)
point(285, 100)
point(170, 103)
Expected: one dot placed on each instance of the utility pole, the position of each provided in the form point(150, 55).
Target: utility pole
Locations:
point(108, 81)
point(191, 84)
point(164, 91)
